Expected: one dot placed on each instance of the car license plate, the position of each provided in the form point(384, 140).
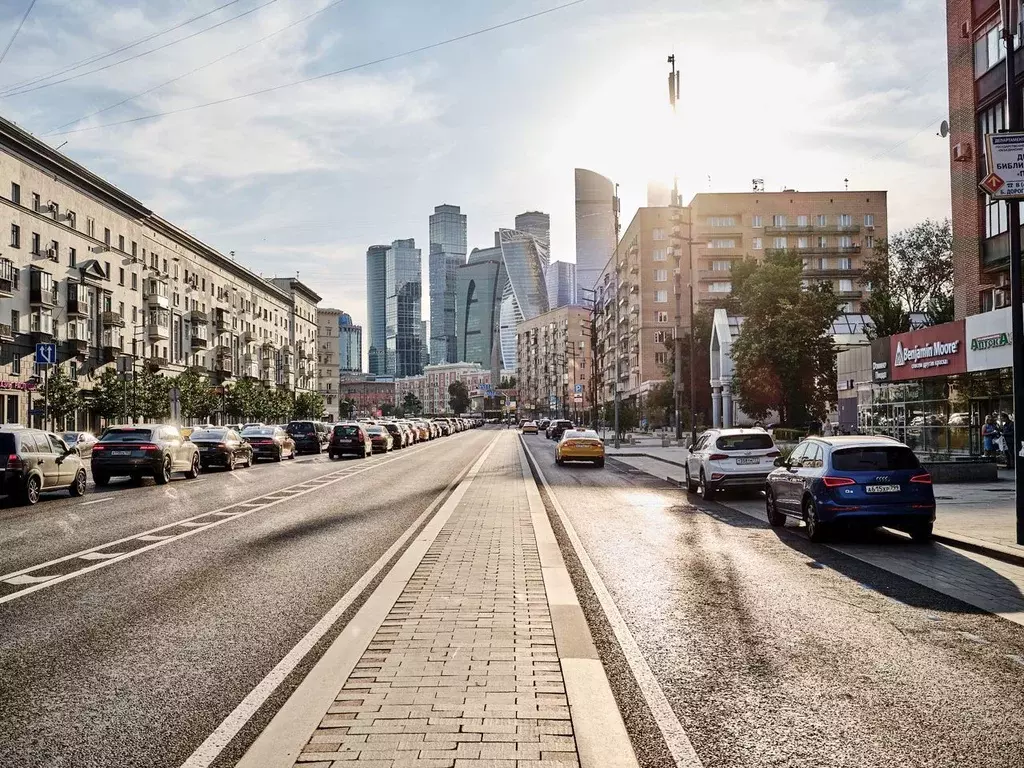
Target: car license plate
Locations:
point(882, 488)
point(120, 453)
point(748, 461)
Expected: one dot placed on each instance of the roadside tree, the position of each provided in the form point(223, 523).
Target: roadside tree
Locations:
point(309, 405)
point(458, 397)
point(108, 396)
point(412, 405)
point(61, 396)
point(196, 397)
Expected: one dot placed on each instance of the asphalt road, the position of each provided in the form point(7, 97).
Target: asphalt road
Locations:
point(773, 651)
point(135, 664)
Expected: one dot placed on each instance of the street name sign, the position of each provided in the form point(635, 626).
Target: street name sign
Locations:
point(1004, 159)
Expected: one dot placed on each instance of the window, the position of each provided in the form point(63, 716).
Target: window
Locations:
point(720, 243)
point(120, 243)
point(135, 314)
point(779, 220)
point(823, 264)
point(822, 241)
point(869, 241)
point(15, 236)
point(35, 244)
point(54, 251)
point(660, 275)
point(801, 221)
point(721, 221)
point(37, 201)
point(106, 235)
point(120, 276)
point(757, 222)
point(661, 317)
point(869, 219)
point(661, 297)
point(845, 263)
point(846, 307)
point(721, 288)
point(822, 220)
point(660, 358)
point(106, 269)
point(721, 266)
point(120, 308)
point(659, 337)
point(801, 242)
point(779, 243)
point(135, 282)
point(15, 193)
point(90, 226)
point(72, 219)
point(757, 244)
point(660, 254)
point(844, 220)
point(15, 321)
point(845, 241)
point(989, 49)
point(72, 257)
point(846, 286)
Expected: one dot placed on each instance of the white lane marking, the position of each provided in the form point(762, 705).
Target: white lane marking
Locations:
point(26, 579)
point(91, 501)
point(100, 555)
point(154, 537)
point(40, 582)
point(214, 744)
point(671, 729)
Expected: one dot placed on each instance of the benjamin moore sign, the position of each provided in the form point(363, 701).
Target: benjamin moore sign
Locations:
point(932, 355)
point(935, 351)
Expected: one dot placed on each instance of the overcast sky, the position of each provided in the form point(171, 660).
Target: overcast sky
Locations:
point(802, 93)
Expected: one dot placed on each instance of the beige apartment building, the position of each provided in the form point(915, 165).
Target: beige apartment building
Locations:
point(635, 303)
point(93, 270)
point(328, 373)
point(431, 386)
point(834, 231)
point(555, 369)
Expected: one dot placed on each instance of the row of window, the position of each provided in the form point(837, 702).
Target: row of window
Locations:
point(782, 220)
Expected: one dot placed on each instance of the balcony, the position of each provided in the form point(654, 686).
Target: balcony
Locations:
point(78, 300)
point(6, 332)
point(836, 250)
point(248, 337)
point(156, 293)
point(266, 363)
point(803, 229)
point(195, 317)
point(41, 324)
point(222, 360)
point(111, 340)
point(157, 363)
point(222, 321)
point(112, 320)
point(8, 278)
point(77, 347)
point(832, 272)
point(42, 295)
point(995, 252)
point(251, 370)
point(198, 337)
point(850, 294)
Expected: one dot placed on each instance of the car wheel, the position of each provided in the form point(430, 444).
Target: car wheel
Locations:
point(163, 475)
point(559, 460)
point(599, 463)
point(78, 486)
point(280, 454)
point(816, 530)
point(101, 479)
point(294, 454)
point(196, 468)
point(691, 487)
point(706, 491)
point(331, 455)
point(31, 493)
point(921, 534)
point(230, 465)
point(775, 518)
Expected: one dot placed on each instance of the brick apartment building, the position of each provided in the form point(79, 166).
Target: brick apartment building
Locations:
point(834, 231)
point(555, 360)
point(977, 96)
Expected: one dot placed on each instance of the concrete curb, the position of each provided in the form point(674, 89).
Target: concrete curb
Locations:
point(619, 454)
point(601, 737)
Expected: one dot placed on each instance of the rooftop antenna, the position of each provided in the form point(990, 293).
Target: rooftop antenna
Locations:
point(758, 185)
point(709, 182)
point(846, 182)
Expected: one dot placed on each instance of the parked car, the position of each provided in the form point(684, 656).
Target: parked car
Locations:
point(309, 436)
point(580, 445)
point(444, 426)
point(854, 480)
point(414, 436)
point(529, 428)
point(556, 428)
point(35, 462)
point(269, 443)
point(399, 436)
point(542, 424)
point(144, 449)
point(380, 439)
point(222, 447)
point(422, 430)
point(82, 442)
point(734, 458)
point(349, 438)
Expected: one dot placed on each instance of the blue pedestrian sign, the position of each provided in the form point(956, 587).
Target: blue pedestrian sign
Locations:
point(578, 389)
point(46, 354)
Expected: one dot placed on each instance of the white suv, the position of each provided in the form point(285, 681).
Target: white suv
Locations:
point(730, 458)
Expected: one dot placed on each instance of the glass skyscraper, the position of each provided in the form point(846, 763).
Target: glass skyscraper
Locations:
point(561, 284)
point(403, 323)
point(447, 254)
point(525, 294)
point(479, 288)
point(376, 307)
point(595, 227)
point(350, 345)
point(539, 225)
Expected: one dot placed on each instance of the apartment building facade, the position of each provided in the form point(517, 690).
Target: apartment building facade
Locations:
point(328, 323)
point(431, 387)
point(636, 310)
point(95, 271)
point(366, 392)
point(834, 231)
point(556, 364)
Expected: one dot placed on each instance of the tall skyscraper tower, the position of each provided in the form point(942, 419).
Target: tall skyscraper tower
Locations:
point(403, 321)
point(539, 225)
point(376, 307)
point(595, 226)
point(447, 254)
point(350, 345)
point(561, 283)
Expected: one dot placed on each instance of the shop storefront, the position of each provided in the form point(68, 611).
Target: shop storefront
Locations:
point(15, 397)
point(933, 388)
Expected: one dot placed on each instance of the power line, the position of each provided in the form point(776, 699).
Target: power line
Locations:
point(100, 56)
point(334, 73)
point(198, 69)
point(16, 31)
point(138, 55)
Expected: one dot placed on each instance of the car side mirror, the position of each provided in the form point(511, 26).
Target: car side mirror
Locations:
point(782, 462)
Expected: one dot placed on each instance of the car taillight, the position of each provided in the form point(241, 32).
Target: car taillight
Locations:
point(14, 462)
point(147, 447)
point(773, 454)
point(99, 447)
point(924, 478)
point(222, 445)
point(835, 482)
point(718, 456)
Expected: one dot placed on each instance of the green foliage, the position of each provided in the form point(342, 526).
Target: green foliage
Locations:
point(346, 408)
point(507, 382)
point(458, 397)
point(629, 419)
point(788, 435)
point(244, 399)
point(660, 404)
point(108, 396)
point(150, 393)
point(387, 409)
point(309, 405)
point(279, 406)
point(61, 395)
point(196, 397)
point(411, 404)
point(703, 321)
point(784, 356)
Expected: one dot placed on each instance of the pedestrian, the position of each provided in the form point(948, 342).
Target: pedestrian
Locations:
point(989, 432)
point(826, 430)
point(1009, 446)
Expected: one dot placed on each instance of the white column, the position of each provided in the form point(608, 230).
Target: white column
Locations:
point(726, 405)
point(716, 405)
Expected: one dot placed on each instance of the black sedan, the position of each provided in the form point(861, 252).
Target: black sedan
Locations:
point(222, 447)
point(349, 438)
point(156, 450)
point(269, 443)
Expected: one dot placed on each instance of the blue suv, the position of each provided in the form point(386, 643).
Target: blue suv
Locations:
point(862, 481)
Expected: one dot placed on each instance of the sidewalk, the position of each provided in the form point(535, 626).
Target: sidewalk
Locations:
point(471, 665)
point(978, 515)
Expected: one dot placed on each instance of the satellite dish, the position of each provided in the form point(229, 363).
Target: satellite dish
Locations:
point(944, 129)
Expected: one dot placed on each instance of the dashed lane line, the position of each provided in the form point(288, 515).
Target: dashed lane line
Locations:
point(155, 538)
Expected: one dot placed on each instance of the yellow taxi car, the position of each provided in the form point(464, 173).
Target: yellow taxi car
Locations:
point(529, 427)
point(580, 445)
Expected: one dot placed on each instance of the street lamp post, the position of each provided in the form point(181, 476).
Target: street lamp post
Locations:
point(618, 395)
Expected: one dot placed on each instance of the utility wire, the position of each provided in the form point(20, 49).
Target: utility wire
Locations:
point(21, 23)
point(100, 56)
point(334, 73)
point(197, 69)
point(138, 55)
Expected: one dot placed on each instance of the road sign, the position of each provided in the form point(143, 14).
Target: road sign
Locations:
point(36, 412)
point(124, 364)
point(578, 389)
point(46, 354)
point(1005, 163)
point(577, 398)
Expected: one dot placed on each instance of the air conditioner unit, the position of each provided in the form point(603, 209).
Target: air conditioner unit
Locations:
point(1004, 280)
point(962, 152)
point(1000, 299)
point(50, 253)
point(99, 248)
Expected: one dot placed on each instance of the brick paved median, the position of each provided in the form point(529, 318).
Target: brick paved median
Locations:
point(464, 671)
